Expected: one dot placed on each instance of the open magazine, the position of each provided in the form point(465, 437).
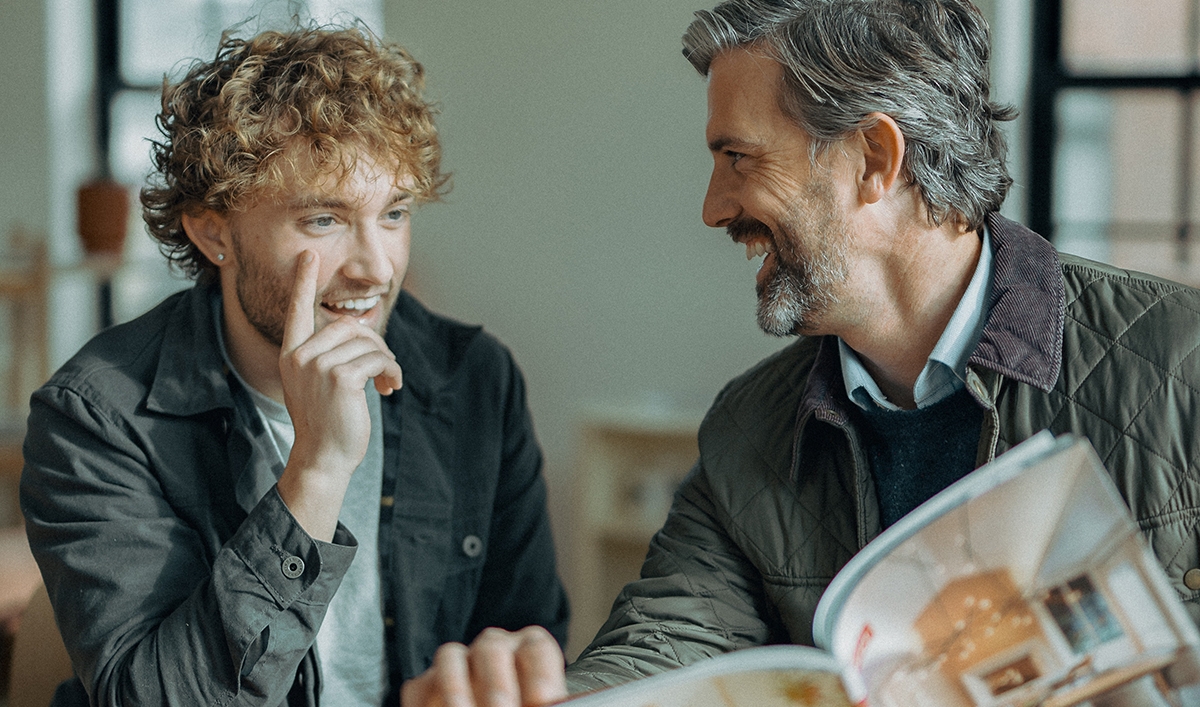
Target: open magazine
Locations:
point(1024, 583)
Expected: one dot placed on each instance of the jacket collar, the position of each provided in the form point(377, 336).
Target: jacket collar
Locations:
point(1022, 337)
point(191, 377)
point(1027, 306)
point(430, 351)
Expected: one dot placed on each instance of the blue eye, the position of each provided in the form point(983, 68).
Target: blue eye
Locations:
point(322, 221)
point(397, 214)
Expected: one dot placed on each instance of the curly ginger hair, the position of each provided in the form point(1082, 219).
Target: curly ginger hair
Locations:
point(231, 126)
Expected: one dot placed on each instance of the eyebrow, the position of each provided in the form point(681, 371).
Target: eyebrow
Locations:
point(305, 202)
point(721, 143)
point(302, 203)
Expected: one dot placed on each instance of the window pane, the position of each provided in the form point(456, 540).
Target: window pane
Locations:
point(1127, 36)
point(1095, 608)
point(160, 38)
point(132, 127)
point(344, 12)
point(1118, 173)
point(1072, 623)
point(1145, 138)
point(155, 36)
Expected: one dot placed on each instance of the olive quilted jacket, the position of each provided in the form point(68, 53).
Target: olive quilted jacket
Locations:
point(781, 496)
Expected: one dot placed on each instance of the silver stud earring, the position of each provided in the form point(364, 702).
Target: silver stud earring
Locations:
point(220, 256)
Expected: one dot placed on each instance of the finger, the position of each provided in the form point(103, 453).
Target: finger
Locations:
point(451, 676)
point(340, 352)
point(390, 380)
point(539, 664)
point(354, 373)
point(419, 692)
point(300, 321)
point(342, 342)
point(340, 330)
point(493, 669)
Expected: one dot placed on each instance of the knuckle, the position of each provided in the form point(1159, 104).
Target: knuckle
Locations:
point(342, 375)
point(448, 651)
point(412, 690)
point(492, 636)
point(537, 635)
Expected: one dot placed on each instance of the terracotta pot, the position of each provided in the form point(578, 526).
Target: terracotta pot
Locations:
point(103, 217)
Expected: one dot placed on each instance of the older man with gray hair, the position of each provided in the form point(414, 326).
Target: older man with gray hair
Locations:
point(857, 152)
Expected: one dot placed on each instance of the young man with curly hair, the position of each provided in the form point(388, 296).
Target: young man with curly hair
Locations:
point(290, 483)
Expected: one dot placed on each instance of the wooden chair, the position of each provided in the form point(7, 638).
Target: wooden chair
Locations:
point(24, 284)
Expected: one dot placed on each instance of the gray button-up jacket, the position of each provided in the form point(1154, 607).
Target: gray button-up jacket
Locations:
point(177, 574)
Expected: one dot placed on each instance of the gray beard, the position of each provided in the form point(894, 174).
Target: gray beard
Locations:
point(801, 289)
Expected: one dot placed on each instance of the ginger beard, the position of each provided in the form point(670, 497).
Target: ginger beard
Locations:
point(809, 263)
point(263, 294)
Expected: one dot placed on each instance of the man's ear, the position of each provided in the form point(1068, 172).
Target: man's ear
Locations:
point(209, 231)
point(883, 156)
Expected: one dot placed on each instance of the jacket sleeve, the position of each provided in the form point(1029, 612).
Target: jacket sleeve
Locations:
point(520, 584)
point(698, 596)
point(149, 612)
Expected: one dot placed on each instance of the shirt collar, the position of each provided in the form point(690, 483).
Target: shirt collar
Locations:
point(1022, 338)
point(946, 366)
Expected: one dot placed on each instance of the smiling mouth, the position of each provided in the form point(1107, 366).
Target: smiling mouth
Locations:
point(759, 248)
point(353, 307)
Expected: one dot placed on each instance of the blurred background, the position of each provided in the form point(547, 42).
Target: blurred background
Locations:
point(574, 130)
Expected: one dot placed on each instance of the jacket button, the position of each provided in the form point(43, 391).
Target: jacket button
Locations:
point(293, 567)
point(472, 546)
point(1191, 579)
point(976, 385)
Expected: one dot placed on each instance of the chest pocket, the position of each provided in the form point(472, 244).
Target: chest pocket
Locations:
point(1175, 540)
point(422, 541)
point(437, 568)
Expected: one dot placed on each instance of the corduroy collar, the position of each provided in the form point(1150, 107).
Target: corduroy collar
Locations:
point(1022, 337)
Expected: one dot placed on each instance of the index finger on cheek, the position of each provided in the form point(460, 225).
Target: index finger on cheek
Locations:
point(300, 322)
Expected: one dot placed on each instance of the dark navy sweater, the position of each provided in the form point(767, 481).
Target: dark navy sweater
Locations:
point(916, 453)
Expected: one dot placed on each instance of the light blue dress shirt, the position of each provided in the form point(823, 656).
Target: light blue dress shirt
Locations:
point(945, 371)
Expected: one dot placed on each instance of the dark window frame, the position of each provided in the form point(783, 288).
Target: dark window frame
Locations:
point(1050, 77)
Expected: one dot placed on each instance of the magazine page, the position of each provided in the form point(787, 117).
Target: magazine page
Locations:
point(1025, 583)
point(770, 676)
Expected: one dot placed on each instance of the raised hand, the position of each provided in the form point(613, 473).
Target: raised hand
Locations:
point(324, 376)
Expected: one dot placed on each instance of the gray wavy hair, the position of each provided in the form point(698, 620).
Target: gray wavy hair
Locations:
point(922, 62)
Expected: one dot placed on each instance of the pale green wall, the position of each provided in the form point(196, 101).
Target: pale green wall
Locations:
point(575, 131)
point(24, 150)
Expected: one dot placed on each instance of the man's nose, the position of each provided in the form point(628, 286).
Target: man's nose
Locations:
point(720, 206)
point(372, 256)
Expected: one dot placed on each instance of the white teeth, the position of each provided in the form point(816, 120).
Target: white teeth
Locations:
point(362, 304)
point(757, 248)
